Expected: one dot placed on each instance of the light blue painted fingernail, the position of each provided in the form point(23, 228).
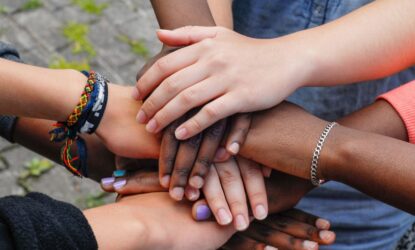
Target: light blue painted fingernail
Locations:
point(120, 184)
point(119, 173)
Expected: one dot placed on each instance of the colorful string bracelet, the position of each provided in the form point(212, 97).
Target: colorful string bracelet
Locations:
point(85, 118)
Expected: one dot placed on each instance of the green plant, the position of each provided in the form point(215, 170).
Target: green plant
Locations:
point(33, 169)
point(90, 6)
point(77, 34)
point(62, 63)
point(31, 5)
point(137, 47)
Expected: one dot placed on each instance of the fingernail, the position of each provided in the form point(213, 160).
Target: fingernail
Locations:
point(270, 248)
point(151, 126)
point(234, 148)
point(119, 173)
point(165, 181)
point(196, 182)
point(220, 154)
point(310, 245)
point(203, 212)
point(322, 224)
point(177, 193)
point(192, 194)
point(141, 117)
point(241, 223)
point(326, 235)
point(181, 133)
point(162, 30)
point(224, 217)
point(135, 94)
point(120, 184)
point(260, 212)
point(107, 181)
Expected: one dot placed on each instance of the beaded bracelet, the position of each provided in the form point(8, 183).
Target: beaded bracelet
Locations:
point(85, 118)
point(316, 154)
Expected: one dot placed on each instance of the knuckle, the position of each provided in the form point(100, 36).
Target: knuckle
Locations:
point(216, 131)
point(211, 112)
point(149, 106)
point(204, 163)
point(182, 172)
point(161, 64)
point(207, 43)
point(194, 141)
point(188, 96)
point(236, 205)
point(170, 85)
point(227, 177)
point(257, 196)
point(195, 125)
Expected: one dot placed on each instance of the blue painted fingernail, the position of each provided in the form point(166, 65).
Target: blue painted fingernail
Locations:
point(203, 212)
point(107, 181)
point(119, 173)
point(119, 184)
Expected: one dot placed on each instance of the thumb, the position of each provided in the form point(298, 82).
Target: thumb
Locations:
point(187, 35)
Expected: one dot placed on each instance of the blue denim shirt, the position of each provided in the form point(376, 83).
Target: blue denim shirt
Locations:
point(359, 221)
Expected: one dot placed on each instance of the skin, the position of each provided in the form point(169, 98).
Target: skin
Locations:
point(32, 133)
point(149, 221)
point(272, 68)
point(183, 166)
point(293, 229)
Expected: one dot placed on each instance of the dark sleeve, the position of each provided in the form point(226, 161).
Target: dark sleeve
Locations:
point(7, 122)
point(38, 222)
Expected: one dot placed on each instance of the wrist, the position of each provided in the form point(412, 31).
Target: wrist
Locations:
point(337, 154)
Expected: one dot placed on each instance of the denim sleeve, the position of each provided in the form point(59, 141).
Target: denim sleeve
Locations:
point(7, 123)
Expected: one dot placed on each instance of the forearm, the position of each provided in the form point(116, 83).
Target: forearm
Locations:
point(38, 92)
point(34, 135)
point(371, 42)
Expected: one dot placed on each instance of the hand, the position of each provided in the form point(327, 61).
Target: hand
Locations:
point(118, 129)
point(228, 72)
point(224, 189)
point(150, 221)
point(293, 229)
point(282, 232)
point(184, 165)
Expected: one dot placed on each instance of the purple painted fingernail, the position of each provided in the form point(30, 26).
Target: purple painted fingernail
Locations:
point(322, 224)
point(120, 184)
point(107, 181)
point(203, 212)
point(310, 245)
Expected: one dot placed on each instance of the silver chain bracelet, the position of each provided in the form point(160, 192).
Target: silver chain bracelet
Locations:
point(316, 155)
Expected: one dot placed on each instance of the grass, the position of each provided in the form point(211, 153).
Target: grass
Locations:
point(33, 170)
point(77, 34)
point(137, 47)
point(90, 6)
point(31, 5)
point(62, 63)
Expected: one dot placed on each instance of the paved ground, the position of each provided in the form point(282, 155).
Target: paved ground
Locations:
point(122, 37)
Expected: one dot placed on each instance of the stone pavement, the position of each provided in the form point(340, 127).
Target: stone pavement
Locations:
point(122, 37)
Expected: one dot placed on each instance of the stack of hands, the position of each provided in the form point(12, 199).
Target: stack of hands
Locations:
point(212, 163)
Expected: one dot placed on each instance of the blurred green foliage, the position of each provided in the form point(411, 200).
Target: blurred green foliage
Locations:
point(137, 47)
point(90, 6)
point(59, 62)
point(33, 169)
point(93, 200)
point(77, 34)
point(31, 5)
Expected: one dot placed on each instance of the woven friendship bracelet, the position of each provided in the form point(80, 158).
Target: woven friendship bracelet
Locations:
point(89, 110)
point(316, 154)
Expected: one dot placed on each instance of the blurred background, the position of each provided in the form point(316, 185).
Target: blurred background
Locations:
point(114, 37)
